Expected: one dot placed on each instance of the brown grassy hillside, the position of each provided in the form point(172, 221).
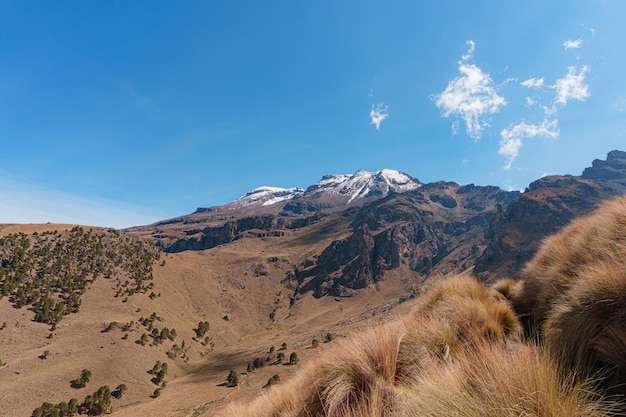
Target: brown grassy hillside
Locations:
point(243, 282)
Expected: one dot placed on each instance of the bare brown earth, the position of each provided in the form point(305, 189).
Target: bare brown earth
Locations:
point(242, 281)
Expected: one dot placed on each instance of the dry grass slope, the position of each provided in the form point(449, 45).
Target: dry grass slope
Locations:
point(458, 353)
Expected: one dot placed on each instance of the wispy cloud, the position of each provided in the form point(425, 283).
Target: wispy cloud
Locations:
point(572, 86)
point(512, 138)
point(378, 114)
point(572, 44)
point(470, 96)
point(533, 83)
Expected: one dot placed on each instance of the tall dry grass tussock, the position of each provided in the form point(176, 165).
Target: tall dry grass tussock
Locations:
point(496, 380)
point(599, 237)
point(574, 295)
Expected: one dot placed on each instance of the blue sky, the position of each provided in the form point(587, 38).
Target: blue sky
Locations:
point(120, 113)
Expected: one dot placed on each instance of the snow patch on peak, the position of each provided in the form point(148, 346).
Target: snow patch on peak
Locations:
point(363, 184)
point(396, 177)
point(268, 195)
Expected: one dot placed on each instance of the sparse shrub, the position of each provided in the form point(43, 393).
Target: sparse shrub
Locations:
point(329, 337)
point(143, 340)
point(83, 379)
point(119, 391)
point(232, 379)
point(159, 370)
point(202, 328)
point(315, 343)
point(110, 327)
point(258, 363)
point(275, 379)
point(293, 358)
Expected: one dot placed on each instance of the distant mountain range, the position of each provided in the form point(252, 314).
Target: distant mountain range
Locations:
point(392, 220)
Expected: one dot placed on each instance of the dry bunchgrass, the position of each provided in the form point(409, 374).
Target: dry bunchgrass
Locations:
point(599, 237)
point(495, 380)
point(573, 294)
point(587, 327)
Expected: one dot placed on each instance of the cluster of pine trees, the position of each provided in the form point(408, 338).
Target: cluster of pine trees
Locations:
point(50, 271)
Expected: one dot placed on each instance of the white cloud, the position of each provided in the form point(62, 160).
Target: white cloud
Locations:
point(378, 113)
point(533, 83)
point(572, 86)
point(470, 50)
point(512, 139)
point(570, 44)
point(471, 95)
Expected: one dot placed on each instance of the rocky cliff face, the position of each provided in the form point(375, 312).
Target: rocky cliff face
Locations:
point(437, 228)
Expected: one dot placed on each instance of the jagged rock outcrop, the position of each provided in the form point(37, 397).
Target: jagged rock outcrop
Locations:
point(609, 173)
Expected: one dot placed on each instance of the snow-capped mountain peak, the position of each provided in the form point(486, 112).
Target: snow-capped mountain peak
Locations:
point(363, 184)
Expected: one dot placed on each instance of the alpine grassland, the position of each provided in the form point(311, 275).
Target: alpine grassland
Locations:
point(551, 344)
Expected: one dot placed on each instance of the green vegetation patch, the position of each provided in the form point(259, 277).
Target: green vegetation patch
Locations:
point(49, 272)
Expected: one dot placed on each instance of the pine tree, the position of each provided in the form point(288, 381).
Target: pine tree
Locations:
point(232, 379)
